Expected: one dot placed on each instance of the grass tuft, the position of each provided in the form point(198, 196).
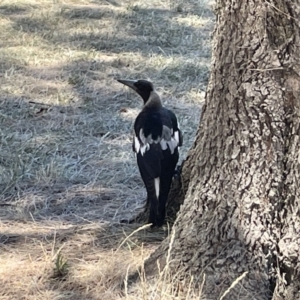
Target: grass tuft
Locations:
point(61, 266)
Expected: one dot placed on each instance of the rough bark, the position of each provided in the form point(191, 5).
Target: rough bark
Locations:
point(242, 199)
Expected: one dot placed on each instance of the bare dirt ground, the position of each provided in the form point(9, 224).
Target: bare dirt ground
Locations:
point(67, 172)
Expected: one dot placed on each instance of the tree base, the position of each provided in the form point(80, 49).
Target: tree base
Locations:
point(175, 200)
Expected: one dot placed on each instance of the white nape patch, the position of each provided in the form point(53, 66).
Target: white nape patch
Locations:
point(137, 145)
point(156, 184)
point(153, 100)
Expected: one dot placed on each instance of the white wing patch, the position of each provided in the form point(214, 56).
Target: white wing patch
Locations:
point(166, 133)
point(176, 136)
point(172, 144)
point(145, 141)
point(145, 148)
point(169, 139)
point(163, 144)
point(136, 145)
point(140, 148)
point(156, 185)
point(142, 136)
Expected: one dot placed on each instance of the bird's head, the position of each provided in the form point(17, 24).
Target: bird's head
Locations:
point(142, 87)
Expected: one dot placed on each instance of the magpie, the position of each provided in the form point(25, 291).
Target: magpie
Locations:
point(156, 140)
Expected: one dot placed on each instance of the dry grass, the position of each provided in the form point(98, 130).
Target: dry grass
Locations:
point(67, 173)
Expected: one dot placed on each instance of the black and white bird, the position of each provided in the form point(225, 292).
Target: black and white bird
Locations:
point(156, 140)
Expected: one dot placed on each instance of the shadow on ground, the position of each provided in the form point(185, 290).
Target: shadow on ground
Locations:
point(67, 172)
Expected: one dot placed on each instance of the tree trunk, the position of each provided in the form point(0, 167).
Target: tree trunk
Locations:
point(241, 213)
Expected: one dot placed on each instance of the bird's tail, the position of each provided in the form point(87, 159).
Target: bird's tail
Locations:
point(153, 202)
point(165, 184)
point(157, 195)
point(157, 198)
point(168, 167)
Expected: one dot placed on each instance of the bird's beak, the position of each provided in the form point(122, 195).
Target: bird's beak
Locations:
point(129, 83)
